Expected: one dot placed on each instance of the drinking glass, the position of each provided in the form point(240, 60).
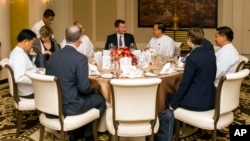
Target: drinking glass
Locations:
point(132, 47)
point(111, 46)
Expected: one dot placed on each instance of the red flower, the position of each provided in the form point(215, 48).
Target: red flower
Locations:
point(120, 52)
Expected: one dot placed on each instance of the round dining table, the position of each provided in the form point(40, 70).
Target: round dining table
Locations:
point(170, 83)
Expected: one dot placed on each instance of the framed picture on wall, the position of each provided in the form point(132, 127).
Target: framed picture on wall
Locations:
point(190, 12)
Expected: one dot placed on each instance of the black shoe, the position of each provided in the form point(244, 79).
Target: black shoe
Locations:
point(87, 139)
point(72, 138)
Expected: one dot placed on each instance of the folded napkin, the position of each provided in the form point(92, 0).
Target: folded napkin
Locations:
point(106, 52)
point(125, 61)
point(106, 62)
point(137, 53)
point(166, 69)
point(147, 56)
point(180, 64)
point(98, 57)
point(93, 70)
point(144, 59)
point(131, 72)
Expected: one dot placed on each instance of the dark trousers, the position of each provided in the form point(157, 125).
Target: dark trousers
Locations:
point(89, 101)
point(166, 129)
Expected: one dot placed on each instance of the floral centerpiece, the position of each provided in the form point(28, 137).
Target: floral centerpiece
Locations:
point(121, 52)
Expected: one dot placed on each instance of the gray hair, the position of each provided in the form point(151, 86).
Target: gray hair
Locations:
point(73, 33)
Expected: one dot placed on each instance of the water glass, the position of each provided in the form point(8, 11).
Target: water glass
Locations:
point(132, 47)
point(111, 46)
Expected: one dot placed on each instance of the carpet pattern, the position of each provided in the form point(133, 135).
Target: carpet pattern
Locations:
point(8, 115)
point(31, 124)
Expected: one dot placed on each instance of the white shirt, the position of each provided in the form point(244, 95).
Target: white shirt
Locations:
point(86, 47)
point(36, 27)
point(227, 59)
point(20, 63)
point(163, 45)
point(122, 39)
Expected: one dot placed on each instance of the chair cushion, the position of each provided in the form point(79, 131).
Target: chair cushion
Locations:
point(70, 122)
point(26, 104)
point(203, 119)
point(130, 129)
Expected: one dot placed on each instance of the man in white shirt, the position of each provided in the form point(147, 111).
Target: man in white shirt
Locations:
point(227, 58)
point(20, 62)
point(48, 17)
point(160, 43)
point(86, 47)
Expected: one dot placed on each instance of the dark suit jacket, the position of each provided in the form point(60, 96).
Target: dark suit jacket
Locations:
point(208, 45)
point(71, 67)
point(128, 38)
point(197, 91)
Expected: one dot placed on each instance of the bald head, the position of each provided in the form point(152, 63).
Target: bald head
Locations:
point(73, 33)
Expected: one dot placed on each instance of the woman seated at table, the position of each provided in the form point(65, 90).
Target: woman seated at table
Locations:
point(196, 91)
point(45, 44)
point(160, 43)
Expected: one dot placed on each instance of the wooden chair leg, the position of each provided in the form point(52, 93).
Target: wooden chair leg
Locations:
point(62, 135)
point(151, 137)
point(19, 122)
point(214, 134)
point(42, 128)
point(116, 138)
point(95, 128)
point(177, 130)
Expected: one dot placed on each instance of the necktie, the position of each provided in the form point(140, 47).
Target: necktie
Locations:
point(120, 41)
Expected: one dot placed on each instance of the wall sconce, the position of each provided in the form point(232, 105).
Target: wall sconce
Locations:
point(49, 2)
point(11, 1)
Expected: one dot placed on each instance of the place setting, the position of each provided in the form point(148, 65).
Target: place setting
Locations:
point(123, 63)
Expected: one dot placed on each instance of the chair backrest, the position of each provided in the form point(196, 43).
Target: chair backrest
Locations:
point(243, 60)
point(47, 91)
point(134, 99)
point(228, 92)
point(12, 84)
point(178, 46)
point(216, 48)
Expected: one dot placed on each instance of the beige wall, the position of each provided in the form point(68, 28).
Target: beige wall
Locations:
point(5, 29)
point(99, 15)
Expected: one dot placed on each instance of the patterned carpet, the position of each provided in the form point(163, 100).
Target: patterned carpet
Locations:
point(31, 123)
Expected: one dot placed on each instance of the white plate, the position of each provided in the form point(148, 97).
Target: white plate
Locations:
point(179, 69)
point(150, 74)
point(107, 75)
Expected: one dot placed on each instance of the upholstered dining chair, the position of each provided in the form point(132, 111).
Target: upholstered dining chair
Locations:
point(227, 100)
point(134, 111)
point(48, 100)
point(216, 48)
point(243, 60)
point(178, 46)
point(21, 104)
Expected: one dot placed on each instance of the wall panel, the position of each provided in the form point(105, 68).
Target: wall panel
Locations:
point(19, 18)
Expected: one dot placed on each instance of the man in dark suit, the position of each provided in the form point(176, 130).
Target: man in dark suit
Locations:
point(197, 90)
point(208, 45)
point(71, 67)
point(120, 38)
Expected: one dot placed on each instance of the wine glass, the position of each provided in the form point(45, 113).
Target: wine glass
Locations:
point(111, 46)
point(132, 47)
